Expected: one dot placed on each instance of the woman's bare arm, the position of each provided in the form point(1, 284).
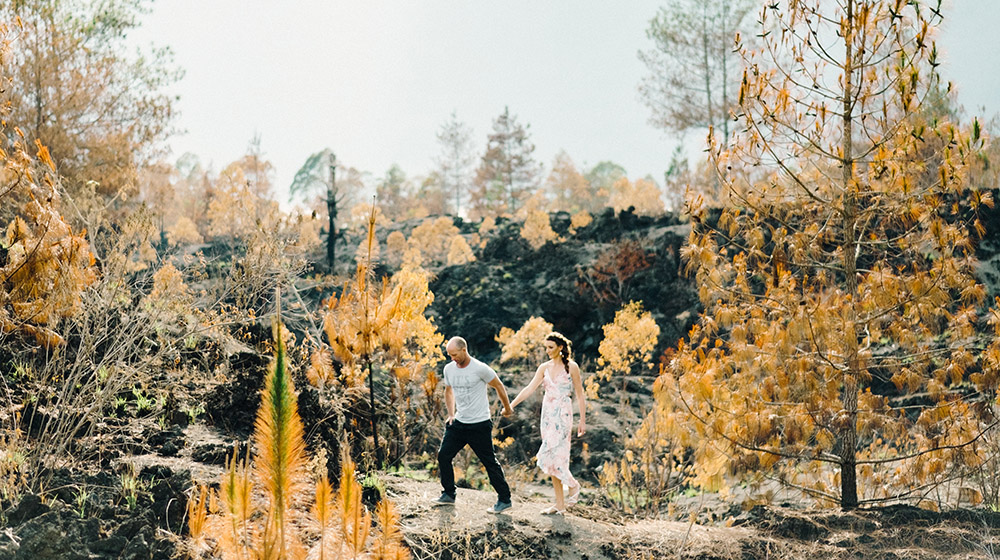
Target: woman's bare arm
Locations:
point(530, 387)
point(574, 372)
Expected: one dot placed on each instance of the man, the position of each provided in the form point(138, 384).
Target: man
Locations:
point(469, 423)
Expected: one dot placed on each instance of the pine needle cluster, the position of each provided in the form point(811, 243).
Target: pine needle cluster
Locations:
point(261, 510)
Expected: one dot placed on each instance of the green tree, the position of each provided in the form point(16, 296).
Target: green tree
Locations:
point(507, 173)
point(839, 290)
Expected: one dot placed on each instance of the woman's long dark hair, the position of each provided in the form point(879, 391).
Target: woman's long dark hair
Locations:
point(565, 348)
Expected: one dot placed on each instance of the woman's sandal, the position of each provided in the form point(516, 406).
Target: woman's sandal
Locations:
point(574, 495)
point(553, 511)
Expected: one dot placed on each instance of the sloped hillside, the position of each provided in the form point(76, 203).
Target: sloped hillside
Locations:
point(511, 282)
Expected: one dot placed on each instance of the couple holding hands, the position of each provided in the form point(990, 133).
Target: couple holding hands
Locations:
point(465, 395)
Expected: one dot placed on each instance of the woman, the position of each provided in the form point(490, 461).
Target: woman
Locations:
point(561, 377)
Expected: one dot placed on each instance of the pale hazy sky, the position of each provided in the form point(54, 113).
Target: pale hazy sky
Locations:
point(374, 80)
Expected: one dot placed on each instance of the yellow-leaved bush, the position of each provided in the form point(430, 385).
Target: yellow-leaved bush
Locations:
point(434, 239)
point(526, 344)
point(487, 226)
point(537, 230)
point(579, 221)
point(459, 251)
point(628, 342)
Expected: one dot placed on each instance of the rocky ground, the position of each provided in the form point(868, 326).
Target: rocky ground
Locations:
point(90, 515)
point(129, 503)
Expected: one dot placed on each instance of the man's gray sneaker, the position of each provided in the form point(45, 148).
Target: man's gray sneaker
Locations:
point(499, 507)
point(444, 498)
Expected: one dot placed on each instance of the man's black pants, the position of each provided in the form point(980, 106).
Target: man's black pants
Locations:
point(479, 437)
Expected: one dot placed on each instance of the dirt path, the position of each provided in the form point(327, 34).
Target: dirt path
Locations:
point(588, 532)
point(467, 530)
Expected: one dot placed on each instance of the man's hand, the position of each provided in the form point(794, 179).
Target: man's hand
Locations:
point(449, 421)
point(508, 412)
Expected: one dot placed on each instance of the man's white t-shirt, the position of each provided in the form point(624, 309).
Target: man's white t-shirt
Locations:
point(472, 403)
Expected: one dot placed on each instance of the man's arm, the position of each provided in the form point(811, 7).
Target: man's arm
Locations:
point(449, 403)
point(502, 393)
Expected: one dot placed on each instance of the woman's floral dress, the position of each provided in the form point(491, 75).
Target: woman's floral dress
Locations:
point(557, 419)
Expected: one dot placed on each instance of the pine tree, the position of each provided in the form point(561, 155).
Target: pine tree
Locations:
point(838, 283)
point(455, 161)
point(693, 73)
point(507, 173)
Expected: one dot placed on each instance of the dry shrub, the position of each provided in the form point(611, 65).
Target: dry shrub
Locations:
point(75, 335)
point(183, 232)
point(379, 332)
point(609, 279)
point(113, 345)
point(653, 467)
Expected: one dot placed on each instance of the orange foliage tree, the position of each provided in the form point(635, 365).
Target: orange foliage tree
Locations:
point(101, 113)
point(839, 290)
point(569, 189)
point(643, 195)
point(382, 327)
point(44, 264)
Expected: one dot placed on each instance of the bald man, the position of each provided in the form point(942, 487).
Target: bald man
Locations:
point(467, 401)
